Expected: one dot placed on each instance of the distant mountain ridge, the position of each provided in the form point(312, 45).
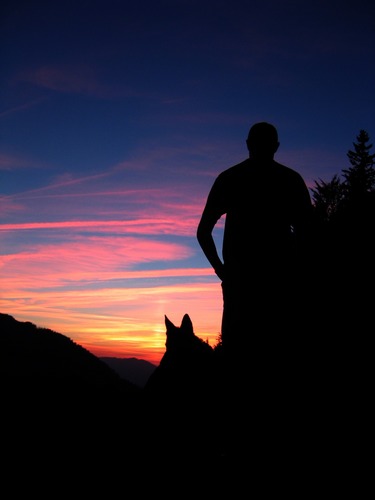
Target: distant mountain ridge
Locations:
point(133, 369)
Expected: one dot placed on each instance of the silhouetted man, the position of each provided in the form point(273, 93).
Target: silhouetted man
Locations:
point(267, 210)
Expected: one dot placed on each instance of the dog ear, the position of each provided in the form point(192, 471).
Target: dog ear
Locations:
point(168, 322)
point(187, 325)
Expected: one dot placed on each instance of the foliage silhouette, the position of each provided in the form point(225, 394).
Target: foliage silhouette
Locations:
point(344, 238)
point(337, 198)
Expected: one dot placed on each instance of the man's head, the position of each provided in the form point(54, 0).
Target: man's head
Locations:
point(262, 141)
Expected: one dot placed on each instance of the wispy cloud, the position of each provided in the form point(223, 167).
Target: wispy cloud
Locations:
point(73, 78)
point(22, 107)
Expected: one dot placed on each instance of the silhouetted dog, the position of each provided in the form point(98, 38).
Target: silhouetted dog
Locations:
point(187, 366)
point(180, 396)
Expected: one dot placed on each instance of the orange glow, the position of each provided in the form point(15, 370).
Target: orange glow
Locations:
point(121, 322)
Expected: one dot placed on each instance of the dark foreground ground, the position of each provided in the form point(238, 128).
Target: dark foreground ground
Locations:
point(142, 446)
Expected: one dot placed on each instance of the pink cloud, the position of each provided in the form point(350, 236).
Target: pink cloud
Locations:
point(185, 226)
point(86, 258)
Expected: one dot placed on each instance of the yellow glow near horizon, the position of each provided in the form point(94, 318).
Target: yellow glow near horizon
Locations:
point(121, 322)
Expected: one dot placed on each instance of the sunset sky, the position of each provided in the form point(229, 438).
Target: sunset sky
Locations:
point(116, 117)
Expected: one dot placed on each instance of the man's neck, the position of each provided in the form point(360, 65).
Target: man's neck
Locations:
point(262, 159)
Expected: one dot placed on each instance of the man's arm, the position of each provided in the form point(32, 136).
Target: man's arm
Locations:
point(207, 243)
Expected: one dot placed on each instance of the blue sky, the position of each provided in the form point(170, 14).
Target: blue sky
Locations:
point(116, 117)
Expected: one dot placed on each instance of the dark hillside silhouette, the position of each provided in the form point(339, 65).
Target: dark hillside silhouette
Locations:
point(41, 359)
point(64, 410)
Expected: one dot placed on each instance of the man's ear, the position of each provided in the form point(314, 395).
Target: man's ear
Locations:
point(277, 146)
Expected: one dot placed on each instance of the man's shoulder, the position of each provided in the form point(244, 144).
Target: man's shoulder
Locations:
point(287, 170)
point(234, 170)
